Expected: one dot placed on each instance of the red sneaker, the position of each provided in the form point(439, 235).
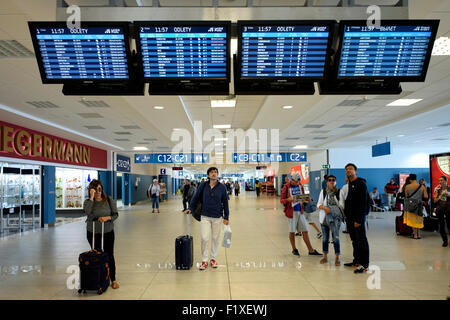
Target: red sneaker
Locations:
point(204, 265)
point(214, 263)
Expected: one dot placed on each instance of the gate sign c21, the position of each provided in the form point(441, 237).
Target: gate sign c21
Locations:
point(122, 163)
point(269, 157)
point(171, 158)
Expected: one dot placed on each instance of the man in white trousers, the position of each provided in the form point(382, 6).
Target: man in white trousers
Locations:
point(214, 198)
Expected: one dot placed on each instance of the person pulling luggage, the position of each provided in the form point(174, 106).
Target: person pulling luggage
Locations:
point(214, 199)
point(103, 208)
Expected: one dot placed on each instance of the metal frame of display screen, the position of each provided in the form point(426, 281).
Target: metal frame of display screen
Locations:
point(281, 26)
point(433, 24)
point(180, 24)
point(57, 25)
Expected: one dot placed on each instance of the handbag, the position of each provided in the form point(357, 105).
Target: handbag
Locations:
point(153, 195)
point(226, 241)
point(414, 205)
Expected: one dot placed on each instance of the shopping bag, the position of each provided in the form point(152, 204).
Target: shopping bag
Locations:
point(226, 242)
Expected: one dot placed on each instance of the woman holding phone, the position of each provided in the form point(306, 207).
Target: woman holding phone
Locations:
point(102, 209)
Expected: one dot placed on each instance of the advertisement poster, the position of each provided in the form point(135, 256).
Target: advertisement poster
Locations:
point(303, 169)
point(439, 166)
point(402, 179)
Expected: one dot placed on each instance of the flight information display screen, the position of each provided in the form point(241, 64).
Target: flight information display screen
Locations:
point(184, 51)
point(85, 53)
point(387, 51)
point(283, 51)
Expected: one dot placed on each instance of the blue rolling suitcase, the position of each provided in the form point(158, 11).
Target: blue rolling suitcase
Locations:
point(184, 249)
point(94, 268)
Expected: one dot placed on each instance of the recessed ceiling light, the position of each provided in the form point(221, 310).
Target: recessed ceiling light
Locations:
point(441, 47)
point(401, 135)
point(158, 107)
point(229, 103)
point(301, 146)
point(403, 102)
point(220, 139)
point(287, 107)
point(222, 126)
point(140, 148)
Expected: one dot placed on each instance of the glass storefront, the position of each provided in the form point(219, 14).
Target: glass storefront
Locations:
point(71, 187)
point(20, 195)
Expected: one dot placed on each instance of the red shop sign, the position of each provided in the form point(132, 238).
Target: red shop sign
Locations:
point(22, 143)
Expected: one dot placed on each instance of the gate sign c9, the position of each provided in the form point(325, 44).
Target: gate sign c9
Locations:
point(171, 158)
point(269, 157)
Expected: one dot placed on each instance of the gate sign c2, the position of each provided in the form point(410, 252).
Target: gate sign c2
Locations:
point(270, 157)
point(123, 163)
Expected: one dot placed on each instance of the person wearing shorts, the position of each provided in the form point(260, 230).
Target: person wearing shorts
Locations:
point(294, 214)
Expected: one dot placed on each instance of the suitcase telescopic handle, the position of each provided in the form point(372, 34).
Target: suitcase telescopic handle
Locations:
point(93, 233)
point(188, 217)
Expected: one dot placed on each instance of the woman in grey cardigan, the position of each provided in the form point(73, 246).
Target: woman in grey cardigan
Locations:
point(103, 208)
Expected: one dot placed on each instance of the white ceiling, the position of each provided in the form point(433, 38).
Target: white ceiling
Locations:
point(20, 83)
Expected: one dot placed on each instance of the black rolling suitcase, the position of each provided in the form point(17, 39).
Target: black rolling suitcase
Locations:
point(184, 249)
point(94, 268)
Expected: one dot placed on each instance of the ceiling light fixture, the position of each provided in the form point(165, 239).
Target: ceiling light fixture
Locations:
point(222, 126)
point(403, 102)
point(158, 107)
point(401, 135)
point(229, 103)
point(301, 146)
point(140, 148)
point(287, 107)
point(441, 47)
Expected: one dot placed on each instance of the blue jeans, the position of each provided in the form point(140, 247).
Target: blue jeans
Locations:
point(155, 202)
point(335, 226)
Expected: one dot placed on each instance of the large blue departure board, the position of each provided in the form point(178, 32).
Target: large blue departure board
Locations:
point(387, 51)
point(283, 51)
point(85, 53)
point(184, 51)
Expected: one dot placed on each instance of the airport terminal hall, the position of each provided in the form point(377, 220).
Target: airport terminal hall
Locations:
point(200, 152)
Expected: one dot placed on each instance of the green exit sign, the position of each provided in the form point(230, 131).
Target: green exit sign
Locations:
point(325, 166)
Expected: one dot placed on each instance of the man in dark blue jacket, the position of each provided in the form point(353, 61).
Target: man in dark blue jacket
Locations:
point(214, 198)
point(355, 214)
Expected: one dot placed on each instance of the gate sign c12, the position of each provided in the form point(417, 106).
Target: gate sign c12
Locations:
point(269, 157)
point(171, 158)
point(123, 163)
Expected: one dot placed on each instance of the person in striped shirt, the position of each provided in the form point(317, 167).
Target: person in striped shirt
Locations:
point(391, 190)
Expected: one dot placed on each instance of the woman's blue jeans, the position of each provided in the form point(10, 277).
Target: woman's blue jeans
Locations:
point(155, 202)
point(334, 228)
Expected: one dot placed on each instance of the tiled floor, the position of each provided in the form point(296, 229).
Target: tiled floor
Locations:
point(259, 265)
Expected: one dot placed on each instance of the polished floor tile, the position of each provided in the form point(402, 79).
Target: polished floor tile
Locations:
point(259, 265)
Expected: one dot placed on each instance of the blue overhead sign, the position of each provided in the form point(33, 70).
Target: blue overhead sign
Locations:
point(381, 149)
point(269, 157)
point(171, 158)
point(123, 163)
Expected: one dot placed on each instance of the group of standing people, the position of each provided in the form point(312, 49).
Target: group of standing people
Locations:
point(347, 204)
point(417, 196)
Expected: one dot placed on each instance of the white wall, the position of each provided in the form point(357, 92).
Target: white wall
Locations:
point(400, 157)
point(316, 159)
